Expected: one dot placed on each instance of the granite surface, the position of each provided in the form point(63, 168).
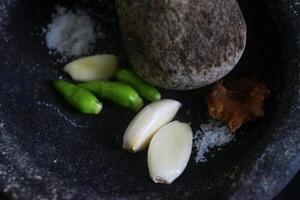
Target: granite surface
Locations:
point(49, 151)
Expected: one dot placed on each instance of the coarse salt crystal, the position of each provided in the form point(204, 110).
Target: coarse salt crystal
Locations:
point(210, 135)
point(71, 33)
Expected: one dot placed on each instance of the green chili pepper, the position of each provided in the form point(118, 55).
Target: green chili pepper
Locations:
point(144, 89)
point(116, 92)
point(78, 97)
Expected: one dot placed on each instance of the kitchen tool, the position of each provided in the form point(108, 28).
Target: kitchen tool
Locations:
point(182, 44)
point(50, 151)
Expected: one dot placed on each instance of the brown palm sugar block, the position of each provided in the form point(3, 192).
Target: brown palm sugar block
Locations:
point(237, 102)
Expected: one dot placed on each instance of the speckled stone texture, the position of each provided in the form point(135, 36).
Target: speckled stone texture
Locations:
point(182, 44)
point(50, 151)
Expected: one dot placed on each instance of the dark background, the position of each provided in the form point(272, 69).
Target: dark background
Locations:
point(291, 192)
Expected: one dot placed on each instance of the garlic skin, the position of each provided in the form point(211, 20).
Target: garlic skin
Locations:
point(169, 152)
point(152, 117)
point(91, 68)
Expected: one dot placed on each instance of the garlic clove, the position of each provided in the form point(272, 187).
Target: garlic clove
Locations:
point(169, 152)
point(142, 128)
point(97, 67)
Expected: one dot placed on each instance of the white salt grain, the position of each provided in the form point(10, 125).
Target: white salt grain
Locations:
point(71, 34)
point(210, 135)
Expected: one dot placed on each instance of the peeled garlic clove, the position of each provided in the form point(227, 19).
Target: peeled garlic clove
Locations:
point(169, 152)
point(142, 128)
point(97, 67)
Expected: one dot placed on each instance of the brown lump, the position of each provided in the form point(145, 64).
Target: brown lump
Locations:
point(237, 102)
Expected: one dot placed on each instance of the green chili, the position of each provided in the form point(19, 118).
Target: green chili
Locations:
point(81, 99)
point(116, 92)
point(144, 89)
